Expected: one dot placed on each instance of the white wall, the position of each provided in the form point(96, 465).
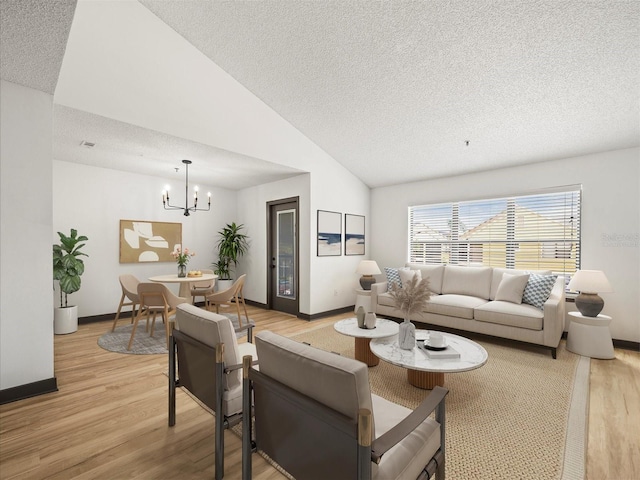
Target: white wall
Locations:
point(326, 283)
point(333, 279)
point(94, 200)
point(26, 316)
point(101, 197)
point(252, 212)
point(610, 218)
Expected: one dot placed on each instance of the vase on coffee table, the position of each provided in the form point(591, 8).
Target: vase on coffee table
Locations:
point(407, 335)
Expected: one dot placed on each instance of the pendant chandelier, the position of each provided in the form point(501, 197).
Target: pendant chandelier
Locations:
point(187, 209)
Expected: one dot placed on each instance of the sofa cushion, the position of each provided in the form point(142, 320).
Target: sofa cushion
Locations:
point(512, 287)
point(511, 314)
point(433, 272)
point(497, 277)
point(407, 275)
point(454, 305)
point(538, 289)
point(392, 277)
point(471, 281)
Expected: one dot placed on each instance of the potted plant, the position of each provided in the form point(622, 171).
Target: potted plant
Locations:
point(67, 269)
point(232, 245)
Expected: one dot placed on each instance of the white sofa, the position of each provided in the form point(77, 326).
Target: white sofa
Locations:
point(471, 299)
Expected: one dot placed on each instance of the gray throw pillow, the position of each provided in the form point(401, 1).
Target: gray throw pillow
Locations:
point(538, 289)
point(392, 277)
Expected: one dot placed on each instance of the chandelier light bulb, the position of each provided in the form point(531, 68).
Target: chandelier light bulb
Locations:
point(186, 209)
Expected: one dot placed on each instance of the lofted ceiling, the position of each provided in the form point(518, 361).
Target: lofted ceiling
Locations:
point(394, 91)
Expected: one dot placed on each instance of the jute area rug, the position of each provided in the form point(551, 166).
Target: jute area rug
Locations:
point(522, 415)
point(143, 343)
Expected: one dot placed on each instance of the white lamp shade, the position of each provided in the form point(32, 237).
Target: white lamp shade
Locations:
point(368, 267)
point(590, 281)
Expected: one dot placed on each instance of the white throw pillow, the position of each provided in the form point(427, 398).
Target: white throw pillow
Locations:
point(512, 287)
point(407, 275)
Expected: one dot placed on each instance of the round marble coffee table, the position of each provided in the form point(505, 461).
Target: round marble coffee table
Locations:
point(362, 352)
point(423, 371)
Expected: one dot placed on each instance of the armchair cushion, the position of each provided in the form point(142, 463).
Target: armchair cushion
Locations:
point(211, 329)
point(407, 458)
point(318, 391)
point(335, 381)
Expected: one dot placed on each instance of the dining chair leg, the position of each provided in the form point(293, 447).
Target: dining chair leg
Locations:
point(153, 322)
point(167, 331)
point(135, 326)
point(115, 321)
point(244, 305)
point(238, 310)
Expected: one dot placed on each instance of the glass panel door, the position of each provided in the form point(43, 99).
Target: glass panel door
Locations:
point(286, 254)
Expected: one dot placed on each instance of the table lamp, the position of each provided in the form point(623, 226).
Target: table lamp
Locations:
point(367, 268)
point(589, 283)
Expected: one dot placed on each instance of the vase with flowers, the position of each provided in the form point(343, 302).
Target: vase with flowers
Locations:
point(410, 298)
point(182, 257)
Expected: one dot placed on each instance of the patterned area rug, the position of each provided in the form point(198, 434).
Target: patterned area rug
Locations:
point(511, 418)
point(143, 343)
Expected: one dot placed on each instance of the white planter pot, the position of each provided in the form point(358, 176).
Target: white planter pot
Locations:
point(65, 320)
point(222, 285)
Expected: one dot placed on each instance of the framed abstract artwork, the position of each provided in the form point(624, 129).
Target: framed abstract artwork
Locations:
point(329, 233)
point(353, 234)
point(142, 241)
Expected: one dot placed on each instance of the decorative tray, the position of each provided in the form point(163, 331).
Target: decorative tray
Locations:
point(435, 349)
point(429, 347)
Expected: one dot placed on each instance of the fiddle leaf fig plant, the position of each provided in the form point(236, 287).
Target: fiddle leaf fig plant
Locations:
point(67, 266)
point(232, 245)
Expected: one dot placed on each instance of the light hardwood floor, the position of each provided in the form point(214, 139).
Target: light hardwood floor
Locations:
point(109, 418)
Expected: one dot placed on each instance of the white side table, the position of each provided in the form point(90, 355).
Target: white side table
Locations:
point(590, 336)
point(363, 297)
point(363, 336)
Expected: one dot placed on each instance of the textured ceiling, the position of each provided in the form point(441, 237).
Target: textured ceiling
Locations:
point(33, 37)
point(391, 90)
point(122, 146)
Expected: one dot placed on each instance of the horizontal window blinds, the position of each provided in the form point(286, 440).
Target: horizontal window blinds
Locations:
point(528, 232)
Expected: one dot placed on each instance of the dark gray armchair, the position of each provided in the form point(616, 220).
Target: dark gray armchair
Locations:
point(205, 358)
point(315, 416)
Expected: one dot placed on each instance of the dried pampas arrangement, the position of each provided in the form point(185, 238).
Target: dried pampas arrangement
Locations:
point(412, 297)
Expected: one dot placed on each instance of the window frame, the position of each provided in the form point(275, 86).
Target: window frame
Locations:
point(547, 221)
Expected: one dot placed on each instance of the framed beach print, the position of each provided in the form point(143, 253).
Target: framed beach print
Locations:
point(353, 234)
point(144, 241)
point(329, 233)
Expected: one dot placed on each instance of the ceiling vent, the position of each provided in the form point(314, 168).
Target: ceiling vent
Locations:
point(86, 144)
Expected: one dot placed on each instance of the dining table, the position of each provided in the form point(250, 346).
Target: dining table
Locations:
point(185, 282)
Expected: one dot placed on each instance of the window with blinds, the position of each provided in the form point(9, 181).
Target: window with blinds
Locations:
point(529, 232)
